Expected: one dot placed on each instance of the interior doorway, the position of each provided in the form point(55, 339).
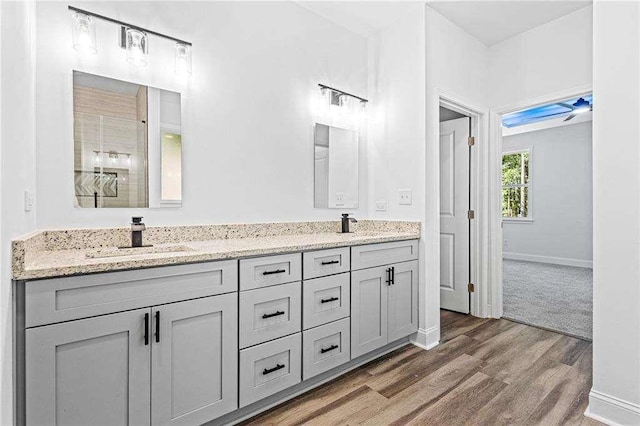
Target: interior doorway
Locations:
point(455, 210)
point(546, 191)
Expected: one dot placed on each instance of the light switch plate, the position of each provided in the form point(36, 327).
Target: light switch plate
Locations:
point(28, 201)
point(404, 197)
point(381, 206)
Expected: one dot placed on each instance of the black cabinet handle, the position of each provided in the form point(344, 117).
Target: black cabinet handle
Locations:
point(146, 328)
point(271, 370)
point(393, 275)
point(331, 299)
point(277, 271)
point(330, 262)
point(388, 276)
point(330, 348)
point(157, 326)
point(275, 314)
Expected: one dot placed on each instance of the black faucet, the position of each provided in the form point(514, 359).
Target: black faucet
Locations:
point(136, 231)
point(345, 222)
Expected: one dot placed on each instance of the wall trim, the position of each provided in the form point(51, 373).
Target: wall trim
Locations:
point(611, 410)
point(427, 339)
point(548, 259)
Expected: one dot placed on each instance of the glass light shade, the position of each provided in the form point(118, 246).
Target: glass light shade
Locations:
point(136, 46)
point(182, 59)
point(84, 33)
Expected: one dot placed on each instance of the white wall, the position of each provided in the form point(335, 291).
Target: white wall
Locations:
point(17, 164)
point(548, 59)
point(247, 119)
point(421, 56)
point(396, 125)
point(561, 197)
point(615, 396)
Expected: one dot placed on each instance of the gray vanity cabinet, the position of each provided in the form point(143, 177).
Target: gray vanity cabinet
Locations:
point(108, 370)
point(90, 371)
point(384, 305)
point(194, 363)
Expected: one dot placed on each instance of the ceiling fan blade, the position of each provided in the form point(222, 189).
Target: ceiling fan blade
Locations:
point(569, 117)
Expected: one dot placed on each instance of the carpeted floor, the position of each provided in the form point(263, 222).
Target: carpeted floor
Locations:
point(550, 296)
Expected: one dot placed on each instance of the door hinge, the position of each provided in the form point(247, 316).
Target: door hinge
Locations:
point(471, 287)
point(471, 140)
point(471, 214)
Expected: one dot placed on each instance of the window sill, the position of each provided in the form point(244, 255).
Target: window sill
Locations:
point(517, 220)
point(523, 220)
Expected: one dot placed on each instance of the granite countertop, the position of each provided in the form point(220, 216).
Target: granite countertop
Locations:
point(48, 254)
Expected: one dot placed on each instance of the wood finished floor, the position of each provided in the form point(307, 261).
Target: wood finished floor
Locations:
point(484, 372)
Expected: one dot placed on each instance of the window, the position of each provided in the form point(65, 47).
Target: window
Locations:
point(516, 194)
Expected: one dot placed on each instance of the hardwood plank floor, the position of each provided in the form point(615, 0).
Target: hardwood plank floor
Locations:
point(484, 372)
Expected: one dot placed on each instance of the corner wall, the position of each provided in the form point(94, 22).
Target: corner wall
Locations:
point(615, 396)
point(18, 164)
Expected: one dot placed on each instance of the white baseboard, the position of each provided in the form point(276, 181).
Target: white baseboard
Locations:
point(427, 339)
point(611, 410)
point(548, 259)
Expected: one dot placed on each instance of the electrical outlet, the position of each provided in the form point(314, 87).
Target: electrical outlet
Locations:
point(28, 201)
point(340, 196)
point(404, 197)
point(381, 206)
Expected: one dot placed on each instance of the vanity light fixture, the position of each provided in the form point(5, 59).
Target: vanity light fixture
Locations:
point(182, 59)
point(134, 39)
point(136, 46)
point(338, 97)
point(84, 33)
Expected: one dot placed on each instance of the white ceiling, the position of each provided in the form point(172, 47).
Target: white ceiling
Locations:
point(489, 21)
point(362, 17)
point(494, 21)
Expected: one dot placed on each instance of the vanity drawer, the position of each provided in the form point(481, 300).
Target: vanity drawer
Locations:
point(269, 313)
point(325, 262)
point(325, 299)
point(269, 368)
point(63, 299)
point(270, 270)
point(371, 255)
point(325, 347)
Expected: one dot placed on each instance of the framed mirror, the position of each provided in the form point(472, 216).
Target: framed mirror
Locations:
point(335, 167)
point(127, 144)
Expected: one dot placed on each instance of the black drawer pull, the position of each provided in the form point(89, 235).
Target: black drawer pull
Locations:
point(331, 299)
point(277, 271)
point(330, 262)
point(330, 348)
point(146, 328)
point(271, 370)
point(157, 326)
point(275, 314)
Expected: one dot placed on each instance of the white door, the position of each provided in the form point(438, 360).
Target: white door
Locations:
point(454, 223)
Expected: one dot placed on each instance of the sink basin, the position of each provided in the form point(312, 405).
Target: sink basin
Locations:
point(130, 251)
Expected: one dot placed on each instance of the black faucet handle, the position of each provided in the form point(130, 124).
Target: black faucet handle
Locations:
point(136, 220)
point(345, 215)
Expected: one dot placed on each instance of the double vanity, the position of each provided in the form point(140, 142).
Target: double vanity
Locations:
point(210, 324)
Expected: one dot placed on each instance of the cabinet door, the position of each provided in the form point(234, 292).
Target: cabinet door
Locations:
point(89, 372)
point(403, 300)
point(368, 310)
point(194, 359)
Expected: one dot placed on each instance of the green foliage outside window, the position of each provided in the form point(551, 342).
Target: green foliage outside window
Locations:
point(515, 185)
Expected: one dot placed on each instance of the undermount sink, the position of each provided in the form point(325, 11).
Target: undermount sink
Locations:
point(130, 251)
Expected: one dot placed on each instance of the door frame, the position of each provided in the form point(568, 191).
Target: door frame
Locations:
point(479, 129)
point(492, 169)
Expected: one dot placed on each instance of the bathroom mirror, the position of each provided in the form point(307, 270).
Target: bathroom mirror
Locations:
point(335, 168)
point(127, 144)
